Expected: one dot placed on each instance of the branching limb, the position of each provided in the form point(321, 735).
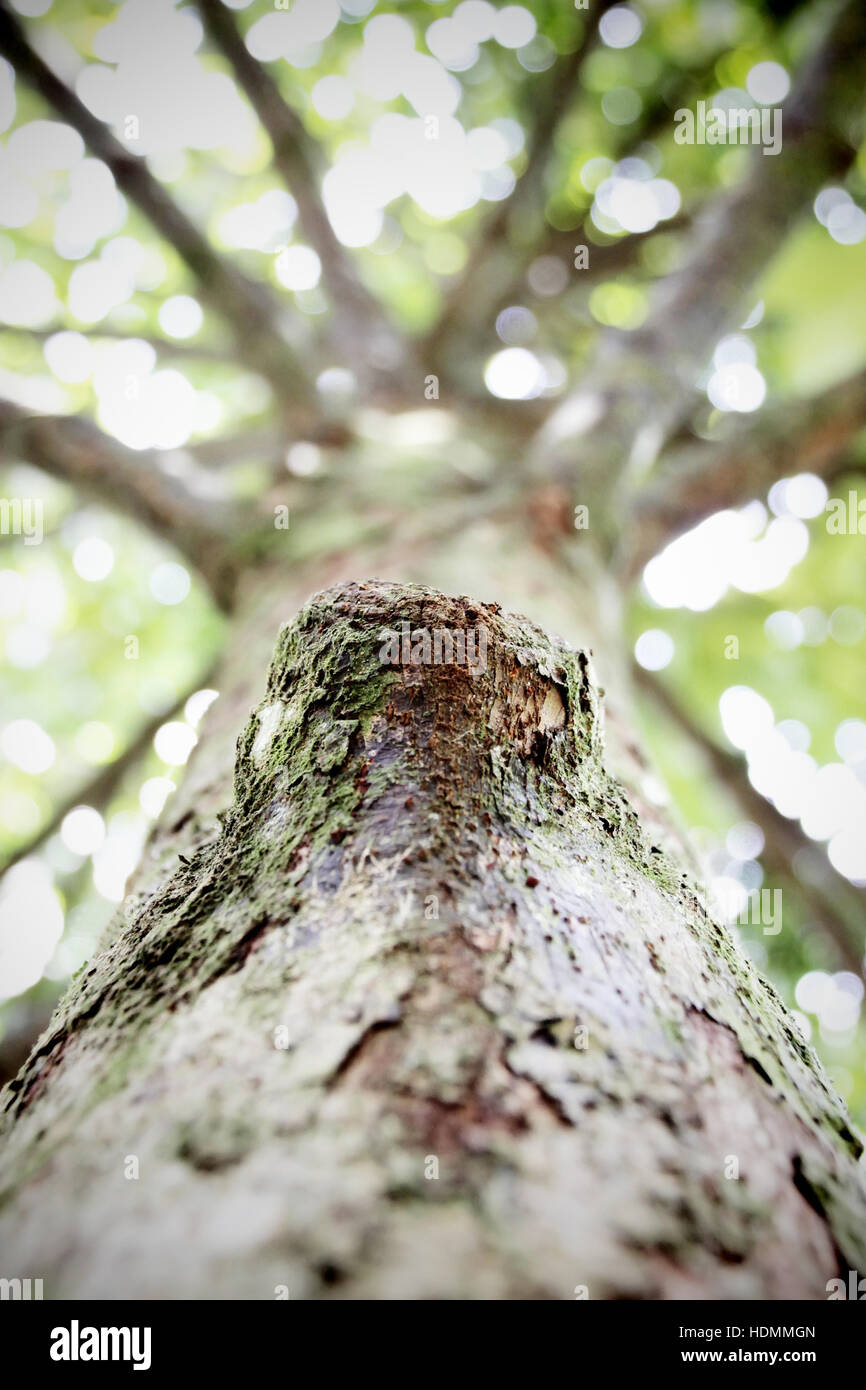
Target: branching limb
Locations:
point(260, 328)
point(503, 261)
point(809, 435)
point(837, 906)
point(605, 258)
point(551, 101)
point(642, 383)
point(166, 347)
point(363, 332)
point(76, 451)
point(102, 786)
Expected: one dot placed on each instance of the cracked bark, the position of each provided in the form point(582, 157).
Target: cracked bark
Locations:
point(428, 878)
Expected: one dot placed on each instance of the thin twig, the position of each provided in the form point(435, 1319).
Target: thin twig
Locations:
point(166, 347)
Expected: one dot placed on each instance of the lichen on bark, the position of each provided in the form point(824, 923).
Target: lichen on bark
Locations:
point(426, 1015)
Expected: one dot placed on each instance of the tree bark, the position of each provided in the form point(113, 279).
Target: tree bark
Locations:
point(424, 1012)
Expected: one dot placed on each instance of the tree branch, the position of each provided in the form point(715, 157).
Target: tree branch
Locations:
point(102, 786)
point(838, 907)
point(505, 265)
point(795, 437)
point(77, 452)
point(260, 328)
point(364, 333)
point(642, 383)
point(167, 347)
point(550, 104)
point(605, 258)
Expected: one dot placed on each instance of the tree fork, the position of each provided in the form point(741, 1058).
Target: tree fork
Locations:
point(427, 1017)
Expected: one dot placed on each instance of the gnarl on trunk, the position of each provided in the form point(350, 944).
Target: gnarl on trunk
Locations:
point(428, 1018)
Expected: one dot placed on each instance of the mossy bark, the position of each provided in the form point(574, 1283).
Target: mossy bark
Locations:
point(427, 1012)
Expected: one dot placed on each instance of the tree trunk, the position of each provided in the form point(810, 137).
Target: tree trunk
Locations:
point(424, 1010)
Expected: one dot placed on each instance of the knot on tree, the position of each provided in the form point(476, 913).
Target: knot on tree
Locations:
point(388, 700)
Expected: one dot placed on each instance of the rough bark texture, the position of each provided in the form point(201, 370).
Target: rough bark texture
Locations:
point(429, 927)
